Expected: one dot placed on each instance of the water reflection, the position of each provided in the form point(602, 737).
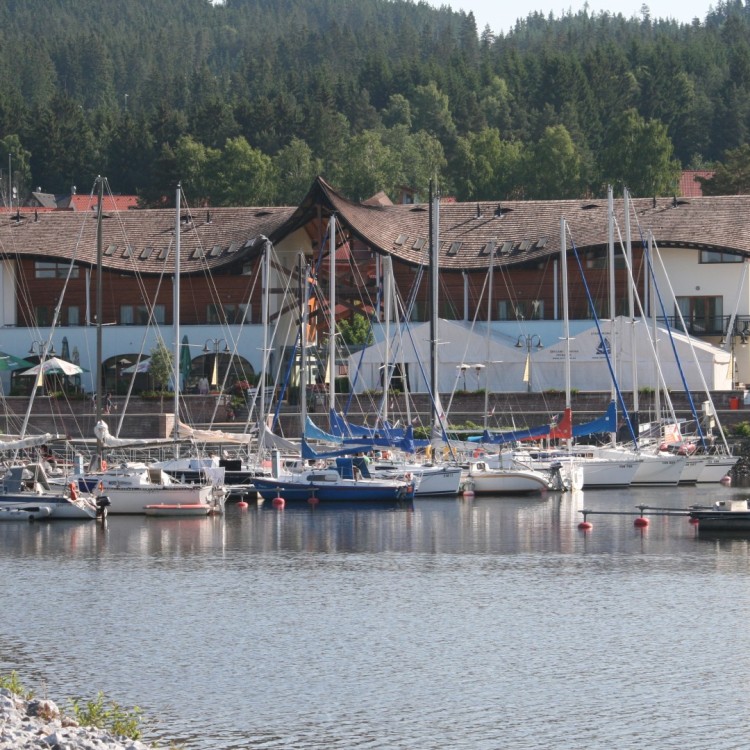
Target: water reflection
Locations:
point(384, 620)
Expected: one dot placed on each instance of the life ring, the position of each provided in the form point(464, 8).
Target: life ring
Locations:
point(73, 492)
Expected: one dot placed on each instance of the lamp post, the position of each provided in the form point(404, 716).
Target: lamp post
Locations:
point(43, 350)
point(213, 345)
point(731, 337)
point(462, 369)
point(530, 341)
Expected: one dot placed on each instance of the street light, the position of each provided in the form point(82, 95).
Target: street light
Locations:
point(530, 340)
point(731, 337)
point(213, 345)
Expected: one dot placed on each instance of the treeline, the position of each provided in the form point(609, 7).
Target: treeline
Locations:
point(246, 101)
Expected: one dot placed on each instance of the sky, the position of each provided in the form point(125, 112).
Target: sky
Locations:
point(501, 16)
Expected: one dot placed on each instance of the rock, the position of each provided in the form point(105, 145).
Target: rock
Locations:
point(40, 724)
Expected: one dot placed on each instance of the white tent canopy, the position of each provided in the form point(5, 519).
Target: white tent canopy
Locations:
point(466, 360)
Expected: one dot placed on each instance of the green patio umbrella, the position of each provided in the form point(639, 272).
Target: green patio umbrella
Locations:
point(9, 362)
point(186, 361)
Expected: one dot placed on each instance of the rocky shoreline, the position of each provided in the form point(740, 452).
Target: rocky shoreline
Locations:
point(41, 724)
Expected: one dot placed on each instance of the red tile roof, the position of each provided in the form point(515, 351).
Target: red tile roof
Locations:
point(111, 202)
point(689, 185)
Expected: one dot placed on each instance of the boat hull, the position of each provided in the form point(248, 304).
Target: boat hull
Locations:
point(722, 520)
point(659, 470)
point(134, 500)
point(716, 468)
point(506, 482)
point(366, 491)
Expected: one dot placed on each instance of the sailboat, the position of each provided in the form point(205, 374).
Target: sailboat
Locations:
point(136, 488)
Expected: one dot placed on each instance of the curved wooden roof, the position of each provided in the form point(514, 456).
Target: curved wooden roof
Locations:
point(524, 231)
point(138, 241)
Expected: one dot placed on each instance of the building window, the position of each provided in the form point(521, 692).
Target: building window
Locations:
point(230, 313)
point(702, 315)
point(138, 315)
point(42, 315)
point(522, 310)
point(74, 316)
point(719, 256)
point(44, 270)
point(142, 313)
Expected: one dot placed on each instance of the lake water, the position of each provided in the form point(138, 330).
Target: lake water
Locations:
point(483, 623)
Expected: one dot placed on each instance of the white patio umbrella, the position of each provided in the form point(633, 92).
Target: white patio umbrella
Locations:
point(54, 366)
point(142, 366)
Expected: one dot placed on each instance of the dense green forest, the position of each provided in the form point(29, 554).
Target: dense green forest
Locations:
point(246, 101)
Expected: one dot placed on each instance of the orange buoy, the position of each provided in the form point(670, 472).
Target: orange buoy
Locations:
point(312, 500)
point(73, 491)
point(641, 522)
point(585, 526)
point(279, 502)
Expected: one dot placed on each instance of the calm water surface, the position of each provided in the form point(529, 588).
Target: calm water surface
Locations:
point(484, 623)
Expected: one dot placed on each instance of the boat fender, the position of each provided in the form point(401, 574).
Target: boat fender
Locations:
point(104, 465)
point(73, 493)
point(100, 486)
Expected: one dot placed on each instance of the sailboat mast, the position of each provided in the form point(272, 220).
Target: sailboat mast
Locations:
point(434, 244)
point(611, 266)
point(332, 312)
point(176, 315)
point(266, 276)
point(566, 314)
point(490, 279)
point(99, 298)
point(631, 306)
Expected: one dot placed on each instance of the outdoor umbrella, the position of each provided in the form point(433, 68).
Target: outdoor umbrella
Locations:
point(141, 366)
point(9, 362)
point(54, 366)
point(186, 361)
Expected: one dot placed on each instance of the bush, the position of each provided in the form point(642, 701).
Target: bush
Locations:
point(110, 715)
point(12, 683)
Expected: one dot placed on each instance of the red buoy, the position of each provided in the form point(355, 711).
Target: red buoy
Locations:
point(694, 521)
point(585, 525)
point(279, 502)
point(726, 480)
point(468, 493)
point(242, 504)
point(312, 500)
point(640, 522)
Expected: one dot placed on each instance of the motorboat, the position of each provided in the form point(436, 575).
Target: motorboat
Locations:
point(27, 487)
point(131, 487)
point(483, 479)
point(723, 515)
point(433, 480)
point(347, 480)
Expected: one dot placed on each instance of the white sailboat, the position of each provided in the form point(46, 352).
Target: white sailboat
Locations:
point(133, 488)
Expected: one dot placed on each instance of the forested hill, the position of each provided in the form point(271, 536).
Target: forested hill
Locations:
point(248, 100)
